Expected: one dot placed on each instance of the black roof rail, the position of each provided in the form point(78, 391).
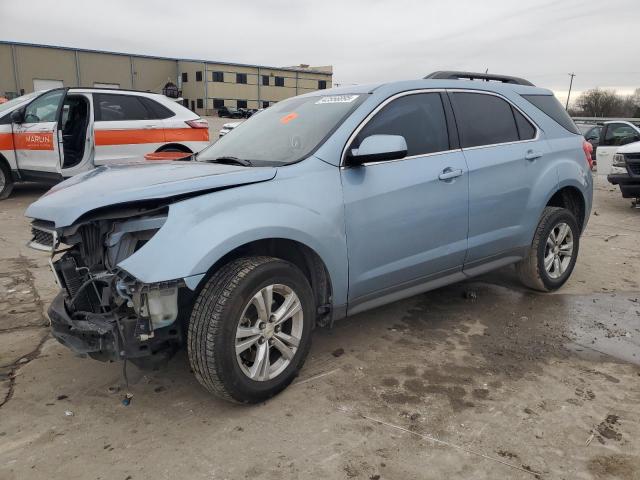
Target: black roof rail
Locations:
point(487, 77)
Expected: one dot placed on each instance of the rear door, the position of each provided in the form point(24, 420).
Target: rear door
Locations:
point(505, 155)
point(125, 128)
point(36, 140)
point(613, 136)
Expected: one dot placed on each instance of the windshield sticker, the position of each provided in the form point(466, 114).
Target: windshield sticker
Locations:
point(287, 118)
point(337, 99)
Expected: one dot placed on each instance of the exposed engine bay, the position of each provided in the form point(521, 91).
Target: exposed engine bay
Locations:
point(103, 311)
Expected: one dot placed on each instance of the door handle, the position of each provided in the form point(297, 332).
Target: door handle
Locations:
point(449, 173)
point(532, 155)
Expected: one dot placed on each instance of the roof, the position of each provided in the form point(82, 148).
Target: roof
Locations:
point(175, 59)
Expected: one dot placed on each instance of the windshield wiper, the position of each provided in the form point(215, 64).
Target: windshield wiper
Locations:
point(232, 161)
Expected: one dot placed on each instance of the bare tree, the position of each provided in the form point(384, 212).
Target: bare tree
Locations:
point(606, 103)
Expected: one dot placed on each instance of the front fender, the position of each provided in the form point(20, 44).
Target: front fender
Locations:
point(303, 203)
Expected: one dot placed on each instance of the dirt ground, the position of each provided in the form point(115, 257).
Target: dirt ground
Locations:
point(481, 380)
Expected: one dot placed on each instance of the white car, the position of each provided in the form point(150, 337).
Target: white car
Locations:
point(55, 134)
point(614, 135)
point(227, 127)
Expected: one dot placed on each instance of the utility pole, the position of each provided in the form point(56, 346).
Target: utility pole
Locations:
point(566, 107)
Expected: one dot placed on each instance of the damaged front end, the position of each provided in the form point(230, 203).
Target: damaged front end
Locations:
point(102, 310)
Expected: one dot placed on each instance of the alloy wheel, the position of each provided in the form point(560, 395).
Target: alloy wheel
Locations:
point(558, 250)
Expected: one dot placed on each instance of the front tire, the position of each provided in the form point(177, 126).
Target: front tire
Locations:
point(250, 329)
point(553, 252)
point(6, 181)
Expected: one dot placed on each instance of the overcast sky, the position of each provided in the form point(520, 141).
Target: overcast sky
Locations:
point(365, 40)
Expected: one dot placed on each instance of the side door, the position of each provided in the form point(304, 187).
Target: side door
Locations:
point(406, 219)
point(506, 155)
point(36, 139)
point(613, 136)
point(124, 128)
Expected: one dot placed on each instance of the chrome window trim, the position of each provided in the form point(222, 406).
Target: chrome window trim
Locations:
point(436, 90)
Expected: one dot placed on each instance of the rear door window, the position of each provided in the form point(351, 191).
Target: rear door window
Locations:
point(484, 119)
point(419, 118)
point(526, 131)
point(113, 108)
point(157, 110)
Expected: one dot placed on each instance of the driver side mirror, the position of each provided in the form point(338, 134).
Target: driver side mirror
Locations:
point(378, 148)
point(17, 116)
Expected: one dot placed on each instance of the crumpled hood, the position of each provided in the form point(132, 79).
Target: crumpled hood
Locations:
point(119, 184)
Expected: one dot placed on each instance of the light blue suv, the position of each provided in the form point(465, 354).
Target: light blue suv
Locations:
point(321, 206)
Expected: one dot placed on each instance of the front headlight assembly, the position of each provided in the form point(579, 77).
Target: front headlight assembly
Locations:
point(618, 160)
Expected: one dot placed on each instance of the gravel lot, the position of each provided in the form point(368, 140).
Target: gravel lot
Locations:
point(481, 380)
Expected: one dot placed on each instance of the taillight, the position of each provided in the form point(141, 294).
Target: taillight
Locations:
point(588, 151)
point(199, 123)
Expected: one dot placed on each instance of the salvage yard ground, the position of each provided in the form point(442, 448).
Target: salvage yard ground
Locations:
point(481, 380)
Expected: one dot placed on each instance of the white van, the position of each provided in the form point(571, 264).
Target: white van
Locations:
point(55, 134)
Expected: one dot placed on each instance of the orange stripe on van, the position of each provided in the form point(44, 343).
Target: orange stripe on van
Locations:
point(6, 141)
point(130, 137)
point(33, 141)
point(186, 135)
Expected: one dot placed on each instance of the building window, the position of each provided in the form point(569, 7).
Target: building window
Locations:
point(279, 81)
point(265, 80)
point(218, 77)
point(185, 77)
point(218, 103)
point(322, 84)
point(193, 106)
point(265, 104)
point(198, 76)
point(185, 102)
point(199, 103)
point(241, 78)
point(241, 104)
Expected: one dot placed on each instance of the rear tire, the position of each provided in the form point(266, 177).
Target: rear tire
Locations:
point(240, 305)
point(553, 252)
point(6, 181)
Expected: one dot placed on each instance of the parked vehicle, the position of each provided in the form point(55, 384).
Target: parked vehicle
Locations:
point(613, 135)
point(229, 112)
point(625, 170)
point(55, 134)
point(324, 205)
point(227, 127)
point(591, 134)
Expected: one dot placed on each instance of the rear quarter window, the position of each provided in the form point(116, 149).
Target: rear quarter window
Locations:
point(550, 105)
point(113, 108)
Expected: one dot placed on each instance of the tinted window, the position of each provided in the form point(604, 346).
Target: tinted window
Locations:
point(199, 103)
point(483, 119)
point(44, 108)
point(322, 84)
point(552, 107)
point(218, 76)
point(218, 103)
point(158, 111)
point(279, 81)
point(265, 79)
point(241, 78)
point(618, 134)
point(198, 76)
point(241, 104)
point(113, 108)
point(185, 77)
point(418, 118)
point(526, 131)
point(593, 133)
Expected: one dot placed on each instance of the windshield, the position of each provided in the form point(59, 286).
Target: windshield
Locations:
point(4, 107)
point(285, 132)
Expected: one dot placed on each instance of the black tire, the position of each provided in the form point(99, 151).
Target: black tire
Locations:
point(6, 180)
point(531, 269)
point(215, 317)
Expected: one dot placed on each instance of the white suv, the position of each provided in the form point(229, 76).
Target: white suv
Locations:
point(55, 134)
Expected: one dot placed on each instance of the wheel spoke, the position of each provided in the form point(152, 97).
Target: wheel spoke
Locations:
point(243, 332)
point(260, 368)
point(287, 339)
point(286, 352)
point(566, 250)
point(548, 261)
point(563, 230)
point(262, 301)
point(552, 235)
point(556, 265)
point(246, 343)
point(288, 309)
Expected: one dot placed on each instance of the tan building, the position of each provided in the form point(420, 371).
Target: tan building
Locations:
point(205, 85)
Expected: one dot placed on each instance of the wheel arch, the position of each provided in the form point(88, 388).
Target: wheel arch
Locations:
point(176, 146)
point(571, 198)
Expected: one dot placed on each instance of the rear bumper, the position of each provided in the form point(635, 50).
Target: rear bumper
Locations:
point(629, 186)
